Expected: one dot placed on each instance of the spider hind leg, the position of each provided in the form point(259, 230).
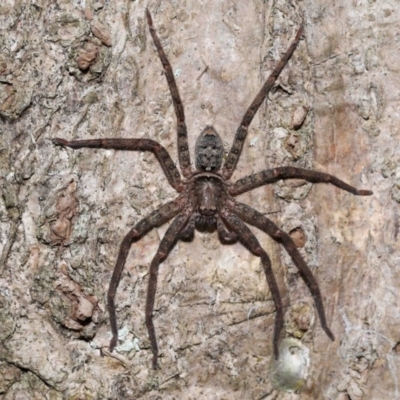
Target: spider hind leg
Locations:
point(183, 148)
point(241, 132)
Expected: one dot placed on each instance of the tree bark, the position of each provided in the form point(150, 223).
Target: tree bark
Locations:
point(78, 73)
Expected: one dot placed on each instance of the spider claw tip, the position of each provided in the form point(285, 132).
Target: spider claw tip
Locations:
point(330, 334)
point(58, 141)
point(365, 192)
point(113, 343)
point(155, 363)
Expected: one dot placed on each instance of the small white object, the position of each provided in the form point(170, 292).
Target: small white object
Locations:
point(290, 371)
point(123, 333)
point(253, 141)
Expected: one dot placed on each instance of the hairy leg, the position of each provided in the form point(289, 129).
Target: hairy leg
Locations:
point(248, 239)
point(241, 132)
point(157, 149)
point(155, 219)
point(276, 174)
point(166, 245)
point(255, 218)
point(183, 148)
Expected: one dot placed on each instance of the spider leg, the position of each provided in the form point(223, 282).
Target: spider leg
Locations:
point(241, 132)
point(183, 148)
point(260, 221)
point(276, 174)
point(249, 241)
point(166, 245)
point(155, 219)
point(157, 149)
point(225, 235)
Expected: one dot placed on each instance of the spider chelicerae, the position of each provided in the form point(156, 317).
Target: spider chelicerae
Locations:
point(206, 200)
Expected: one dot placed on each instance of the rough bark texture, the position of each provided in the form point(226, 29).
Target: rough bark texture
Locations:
point(73, 72)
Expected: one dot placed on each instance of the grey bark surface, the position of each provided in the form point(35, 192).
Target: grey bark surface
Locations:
point(76, 73)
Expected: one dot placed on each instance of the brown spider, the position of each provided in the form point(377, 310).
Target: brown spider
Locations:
point(206, 200)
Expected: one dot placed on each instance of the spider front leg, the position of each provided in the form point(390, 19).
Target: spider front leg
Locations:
point(183, 148)
point(166, 245)
point(241, 132)
point(260, 221)
point(157, 149)
point(276, 174)
point(248, 239)
point(155, 219)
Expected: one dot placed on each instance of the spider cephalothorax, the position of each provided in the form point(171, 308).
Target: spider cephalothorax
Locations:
point(208, 194)
point(207, 201)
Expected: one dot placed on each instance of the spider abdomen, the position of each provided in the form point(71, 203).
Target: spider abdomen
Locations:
point(209, 150)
